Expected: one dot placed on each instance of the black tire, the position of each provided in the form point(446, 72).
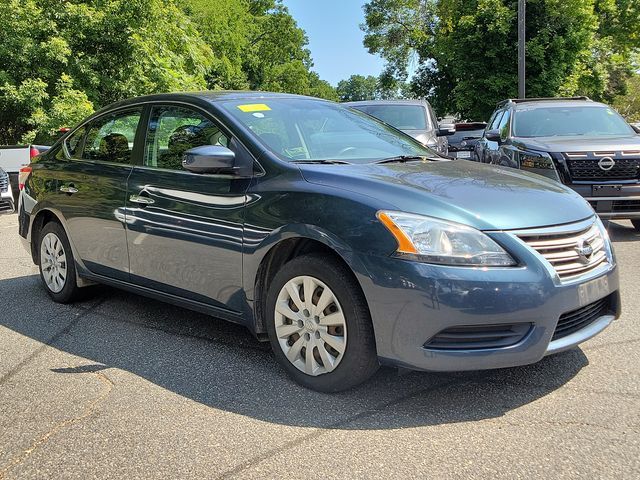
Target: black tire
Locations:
point(359, 360)
point(70, 290)
point(636, 224)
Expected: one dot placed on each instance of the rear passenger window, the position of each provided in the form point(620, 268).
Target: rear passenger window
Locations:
point(110, 138)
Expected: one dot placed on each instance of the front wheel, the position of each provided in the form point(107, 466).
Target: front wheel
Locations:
point(636, 224)
point(57, 267)
point(319, 324)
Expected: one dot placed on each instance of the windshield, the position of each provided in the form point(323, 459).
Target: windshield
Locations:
point(299, 129)
point(569, 121)
point(403, 117)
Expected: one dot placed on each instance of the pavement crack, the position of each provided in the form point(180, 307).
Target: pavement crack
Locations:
point(318, 432)
point(89, 410)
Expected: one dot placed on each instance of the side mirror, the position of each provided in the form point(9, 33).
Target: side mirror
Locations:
point(446, 129)
point(493, 136)
point(209, 159)
point(636, 128)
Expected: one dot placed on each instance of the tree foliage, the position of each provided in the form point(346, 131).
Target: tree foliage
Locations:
point(358, 87)
point(629, 103)
point(465, 51)
point(60, 59)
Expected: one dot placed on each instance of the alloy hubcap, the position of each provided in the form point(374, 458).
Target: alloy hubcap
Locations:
point(53, 262)
point(310, 325)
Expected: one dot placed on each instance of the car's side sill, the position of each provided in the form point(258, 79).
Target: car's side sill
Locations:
point(201, 307)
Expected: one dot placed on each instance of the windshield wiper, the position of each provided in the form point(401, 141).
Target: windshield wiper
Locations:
point(323, 162)
point(402, 159)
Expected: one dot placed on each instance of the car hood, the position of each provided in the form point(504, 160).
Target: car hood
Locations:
point(487, 198)
point(580, 143)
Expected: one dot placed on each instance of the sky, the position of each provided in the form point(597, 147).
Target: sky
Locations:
point(335, 38)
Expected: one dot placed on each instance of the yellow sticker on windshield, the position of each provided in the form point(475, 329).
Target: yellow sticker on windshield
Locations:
point(254, 107)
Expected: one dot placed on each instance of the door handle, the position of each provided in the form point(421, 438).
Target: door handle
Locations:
point(139, 199)
point(70, 189)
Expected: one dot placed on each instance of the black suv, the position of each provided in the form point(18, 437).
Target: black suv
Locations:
point(584, 144)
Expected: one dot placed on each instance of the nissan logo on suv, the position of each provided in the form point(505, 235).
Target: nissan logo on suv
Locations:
point(606, 164)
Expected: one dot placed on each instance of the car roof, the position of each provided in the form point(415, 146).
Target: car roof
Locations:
point(529, 103)
point(213, 96)
point(561, 104)
point(386, 102)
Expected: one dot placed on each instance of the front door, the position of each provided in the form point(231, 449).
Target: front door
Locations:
point(185, 230)
point(91, 186)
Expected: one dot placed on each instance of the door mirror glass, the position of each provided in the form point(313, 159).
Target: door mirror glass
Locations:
point(493, 136)
point(209, 159)
point(446, 129)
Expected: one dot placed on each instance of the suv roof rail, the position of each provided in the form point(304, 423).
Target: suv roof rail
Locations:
point(542, 99)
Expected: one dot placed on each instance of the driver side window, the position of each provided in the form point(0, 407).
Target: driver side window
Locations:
point(174, 130)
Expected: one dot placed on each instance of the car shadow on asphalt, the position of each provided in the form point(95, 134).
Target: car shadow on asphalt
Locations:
point(622, 232)
point(223, 366)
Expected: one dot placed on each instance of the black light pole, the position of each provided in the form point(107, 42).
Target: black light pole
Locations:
point(522, 13)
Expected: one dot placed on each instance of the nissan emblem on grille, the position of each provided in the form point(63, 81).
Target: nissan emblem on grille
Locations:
point(584, 251)
point(606, 164)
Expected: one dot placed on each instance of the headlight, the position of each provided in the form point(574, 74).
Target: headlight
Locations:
point(437, 241)
point(536, 160)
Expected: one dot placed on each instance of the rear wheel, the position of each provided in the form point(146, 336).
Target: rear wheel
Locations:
point(636, 224)
point(319, 324)
point(57, 267)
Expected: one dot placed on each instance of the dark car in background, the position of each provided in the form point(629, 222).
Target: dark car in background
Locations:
point(413, 117)
point(341, 240)
point(584, 144)
point(463, 142)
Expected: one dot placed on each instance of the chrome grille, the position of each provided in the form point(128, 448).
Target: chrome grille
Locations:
point(4, 181)
point(563, 250)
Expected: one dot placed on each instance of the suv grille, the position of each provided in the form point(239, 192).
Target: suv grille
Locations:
point(568, 252)
point(4, 181)
point(578, 319)
point(588, 169)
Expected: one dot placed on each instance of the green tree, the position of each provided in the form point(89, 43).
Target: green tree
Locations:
point(465, 50)
point(629, 104)
point(259, 46)
point(59, 58)
point(358, 87)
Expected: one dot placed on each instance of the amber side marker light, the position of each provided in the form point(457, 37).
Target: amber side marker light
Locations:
point(405, 245)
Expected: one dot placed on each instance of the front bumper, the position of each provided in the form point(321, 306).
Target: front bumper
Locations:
point(412, 303)
point(612, 200)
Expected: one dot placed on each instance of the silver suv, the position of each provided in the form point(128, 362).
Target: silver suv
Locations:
point(413, 117)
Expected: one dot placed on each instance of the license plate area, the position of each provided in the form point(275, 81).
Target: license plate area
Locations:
point(593, 290)
point(607, 190)
point(463, 154)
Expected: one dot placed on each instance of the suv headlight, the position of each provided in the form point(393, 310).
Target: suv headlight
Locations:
point(432, 240)
point(535, 160)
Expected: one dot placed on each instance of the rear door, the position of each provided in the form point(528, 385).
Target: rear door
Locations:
point(185, 230)
point(91, 183)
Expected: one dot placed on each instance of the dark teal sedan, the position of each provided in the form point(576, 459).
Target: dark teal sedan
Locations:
point(344, 242)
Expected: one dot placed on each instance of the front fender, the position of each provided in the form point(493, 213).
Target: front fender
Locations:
point(254, 255)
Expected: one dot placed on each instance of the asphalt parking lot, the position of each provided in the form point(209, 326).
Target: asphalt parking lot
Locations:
point(123, 386)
